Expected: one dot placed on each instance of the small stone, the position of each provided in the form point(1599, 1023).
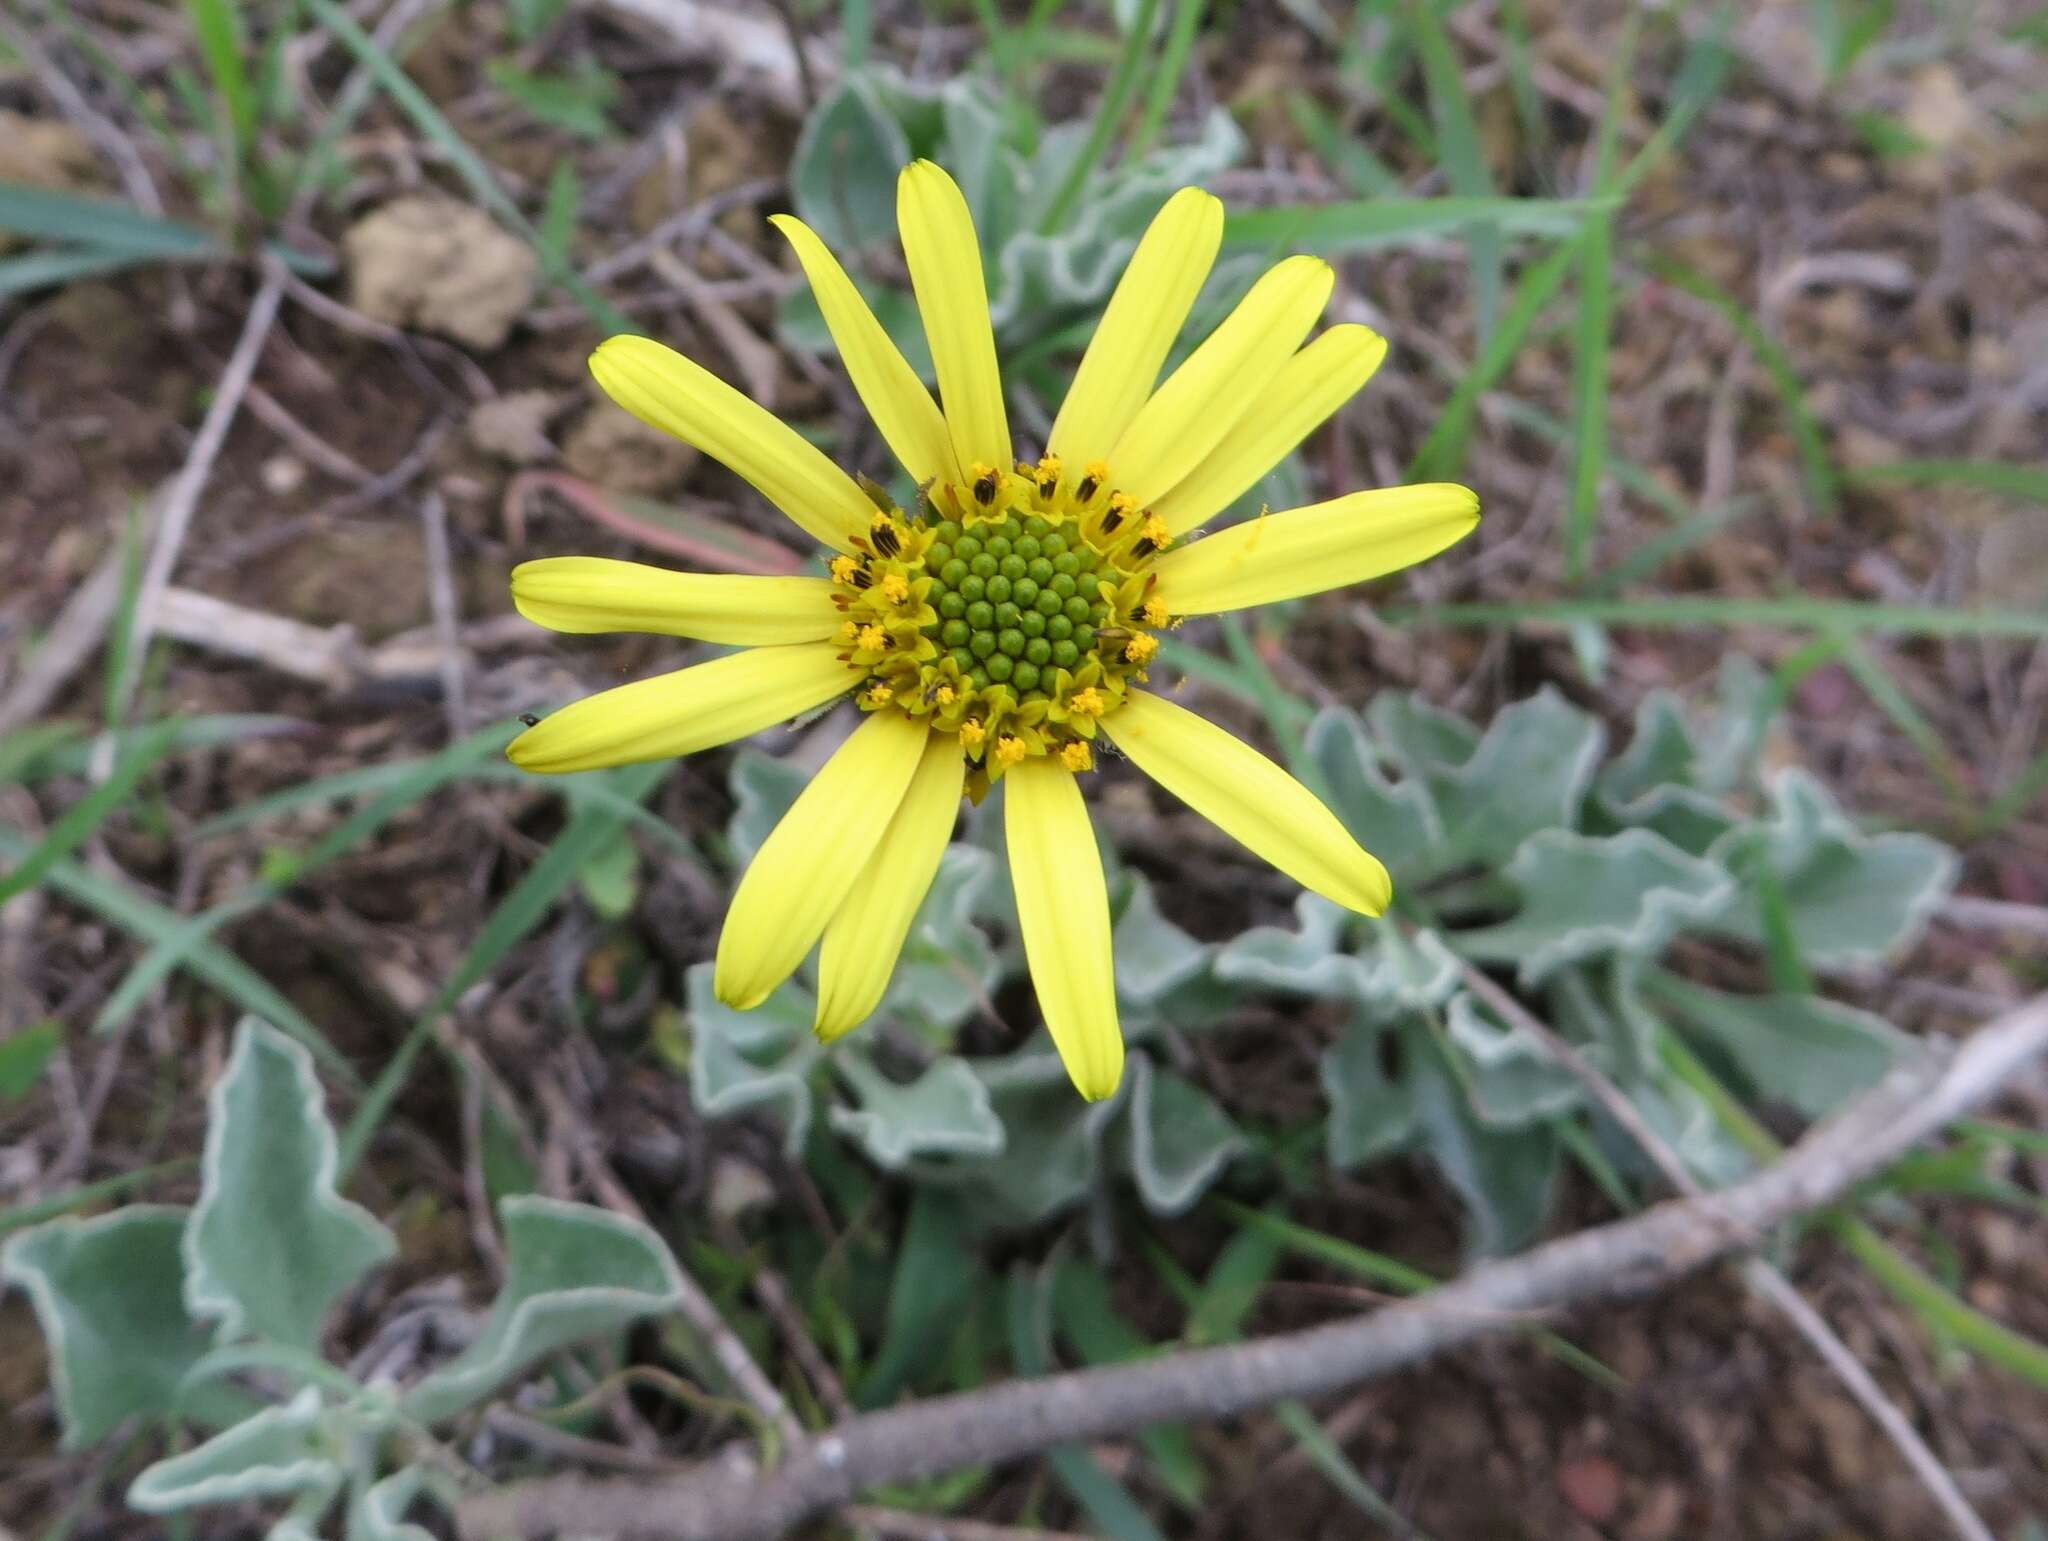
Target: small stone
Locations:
point(615, 449)
point(1592, 1486)
point(442, 266)
point(282, 474)
point(513, 427)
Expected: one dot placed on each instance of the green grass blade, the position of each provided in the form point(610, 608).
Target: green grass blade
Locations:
point(1390, 1273)
point(42, 215)
point(1354, 163)
point(1328, 1458)
point(422, 778)
point(1682, 611)
point(589, 830)
point(1442, 455)
point(1116, 97)
point(2015, 799)
point(1173, 64)
point(78, 822)
point(1822, 481)
point(47, 269)
point(470, 166)
point(89, 1195)
point(1338, 229)
point(207, 961)
point(218, 26)
point(1987, 475)
point(1907, 717)
point(1460, 152)
point(1938, 1307)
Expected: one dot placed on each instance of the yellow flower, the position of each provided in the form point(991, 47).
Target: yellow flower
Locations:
point(996, 582)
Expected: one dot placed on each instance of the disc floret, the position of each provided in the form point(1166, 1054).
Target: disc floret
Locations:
point(1012, 611)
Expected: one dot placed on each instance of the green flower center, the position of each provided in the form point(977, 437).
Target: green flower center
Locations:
point(1013, 611)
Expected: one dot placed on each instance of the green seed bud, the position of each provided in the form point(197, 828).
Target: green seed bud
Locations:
point(1052, 545)
point(1025, 676)
point(937, 555)
point(1040, 571)
point(1066, 563)
point(1036, 527)
point(963, 658)
point(1062, 585)
point(1011, 641)
point(997, 546)
point(1013, 567)
point(952, 572)
point(999, 666)
point(1032, 624)
point(981, 615)
point(972, 588)
point(956, 633)
point(1065, 655)
point(983, 644)
point(951, 605)
point(978, 677)
point(1084, 637)
point(948, 530)
point(1008, 613)
point(1024, 591)
point(1099, 613)
point(967, 548)
point(985, 565)
point(1028, 548)
point(1076, 608)
point(1059, 628)
point(1037, 650)
point(998, 588)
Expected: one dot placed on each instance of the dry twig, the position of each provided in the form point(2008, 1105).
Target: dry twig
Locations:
point(730, 1500)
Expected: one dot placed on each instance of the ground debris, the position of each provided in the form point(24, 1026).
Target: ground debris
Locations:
point(441, 266)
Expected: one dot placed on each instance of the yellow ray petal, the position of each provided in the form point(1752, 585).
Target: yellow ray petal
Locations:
point(681, 713)
point(866, 934)
point(594, 593)
point(666, 391)
point(1249, 798)
point(895, 398)
point(1308, 550)
point(1309, 387)
point(1221, 380)
point(1063, 911)
point(810, 860)
point(945, 274)
point(1145, 314)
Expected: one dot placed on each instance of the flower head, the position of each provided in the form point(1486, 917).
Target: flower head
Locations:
point(990, 631)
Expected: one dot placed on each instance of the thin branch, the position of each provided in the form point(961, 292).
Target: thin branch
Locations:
point(727, 1500)
point(1762, 1276)
point(183, 497)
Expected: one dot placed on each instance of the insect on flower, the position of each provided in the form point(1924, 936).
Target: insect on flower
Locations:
point(990, 632)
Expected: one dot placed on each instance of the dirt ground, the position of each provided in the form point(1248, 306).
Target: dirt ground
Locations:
point(1911, 292)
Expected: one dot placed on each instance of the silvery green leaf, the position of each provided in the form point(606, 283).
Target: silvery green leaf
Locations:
point(571, 1272)
point(1810, 1052)
point(1050, 1140)
point(802, 326)
point(1849, 897)
point(1408, 974)
point(287, 1451)
point(842, 176)
point(1396, 821)
point(380, 1513)
point(1585, 896)
point(944, 1112)
point(763, 787)
point(108, 1295)
point(1176, 1140)
point(1512, 1078)
point(979, 161)
point(1660, 753)
point(1528, 773)
point(1424, 739)
point(610, 879)
point(1683, 1120)
point(1371, 1111)
point(1505, 1177)
point(752, 1059)
point(1305, 961)
point(272, 1244)
point(948, 967)
point(1608, 1014)
point(1153, 955)
point(1734, 735)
